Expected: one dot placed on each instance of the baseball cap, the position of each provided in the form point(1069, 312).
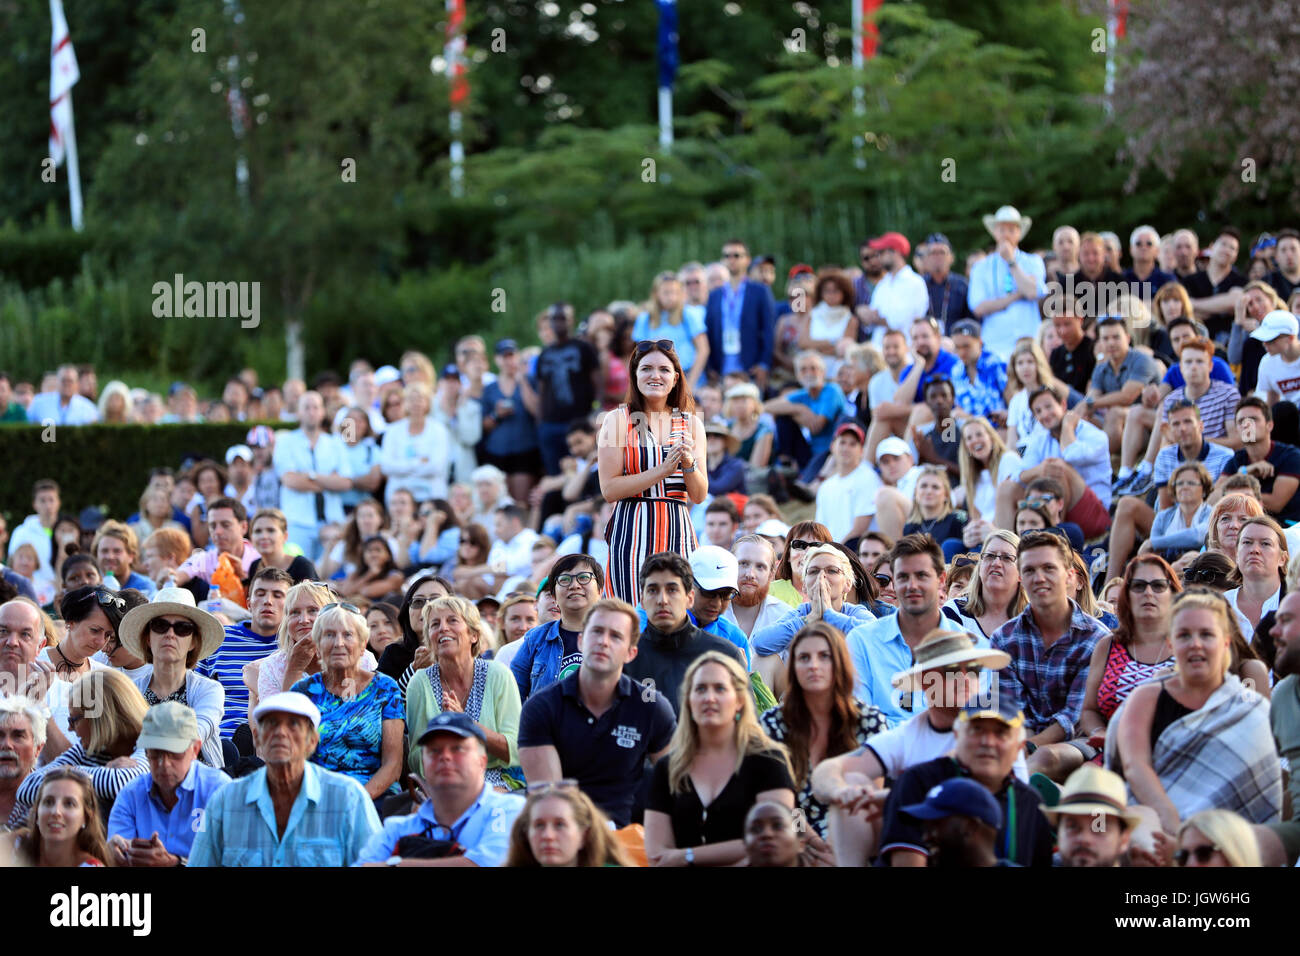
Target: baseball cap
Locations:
point(959, 796)
point(450, 371)
point(966, 327)
point(385, 374)
point(714, 568)
point(1278, 322)
point(773, 528)
point(799, 269)
point(169, 726)
point(893, 445)
point(259, 436)
point(506, 346)
point(853, 428)
point(937, 238)
point(239, 451)
point(765, 260)
point(891, 240)
point(452, 722)
point(288, 702)
point(1001, 707)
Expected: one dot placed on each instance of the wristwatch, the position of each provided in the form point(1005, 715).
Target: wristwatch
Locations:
point(690, 856)
point(688, 471)
point(393, 860)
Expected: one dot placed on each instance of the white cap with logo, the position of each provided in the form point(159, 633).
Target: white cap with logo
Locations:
point(1278, 322)
point(714, 568)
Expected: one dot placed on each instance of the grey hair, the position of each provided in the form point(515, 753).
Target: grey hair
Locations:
point(20, 705)
point(1132, 238)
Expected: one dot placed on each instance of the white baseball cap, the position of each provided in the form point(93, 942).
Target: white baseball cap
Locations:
point(239, 451)
point(714, 568)
point(1278, 322)
point(892, 445)
point(773, 528)
point(385, 374)
point(289, 702)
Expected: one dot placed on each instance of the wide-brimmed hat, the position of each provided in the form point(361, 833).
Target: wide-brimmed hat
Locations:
point(945, 650)
point(1091, 790)
point(1008, 214)
point(178, 601)
point(722, 431)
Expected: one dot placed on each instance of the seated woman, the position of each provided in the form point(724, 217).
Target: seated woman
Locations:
point(831, 326)
point(439, 537)
point(66, 827)
point(1032, 517)
point(381, 619)
point(1261, 561)
point(760, 508)
point(471, 554)
point(1198, 739)
point(561, 826)
point(787, 580)
point(163, 552)
point(1184, 525)
point(1083, 595)
point(377, 577)
point(173, 635)
point(862, 585)
point(398, 656)
point(827, 576)
point(550, 650)
point(882, 572)
point(1217, 838)
point(984, 462)
point(515, 618)
point(994, 595)
point(1027, 370)
point(269, 532)
point(1227, 518)
point(296, 656)
point(368, 519)
point(754, 430)
point(819, 717)
point(1211, 569)
point(933, 513)
point(106, 712)
point(361, 723)
point(460, 680)
point(720, 763)
point(726, 470)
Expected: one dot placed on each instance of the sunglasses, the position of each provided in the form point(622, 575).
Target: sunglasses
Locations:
point(1202, 853)
point(582, 577)
point(343, 604)
point(161, 626)
point(1203, 576)
point(799, 544)
point(546, 786)
point(965, 561)
point(660, 345)
point(724, 594)
point(1034, 502)
point(108, 599)
point(884, 580)
point(963, 669)
point(1158, 586)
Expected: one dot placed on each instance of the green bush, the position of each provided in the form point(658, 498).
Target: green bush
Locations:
point(106, 466)
point(36, 257)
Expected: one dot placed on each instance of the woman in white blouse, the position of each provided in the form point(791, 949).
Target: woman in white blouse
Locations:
point(831, 327)
point(984, 462)
point(417, 451)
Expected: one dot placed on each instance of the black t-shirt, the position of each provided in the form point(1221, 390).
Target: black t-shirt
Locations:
point(1285, 460)
point(1199, 286)
point(950, 525)
point(1028, 844)
point(724, 818)
point(1075, 368)
point(564, 379)
point(300, 569)
point(605, 754)
point(572, 656)
point(1282, 285)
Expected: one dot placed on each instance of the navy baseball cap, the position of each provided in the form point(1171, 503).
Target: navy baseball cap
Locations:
point(966, 327)
point(451, 722)
point(937, 238)
point(959, 796)
point(1001, 707)
point(506, 346)
point(450, 371)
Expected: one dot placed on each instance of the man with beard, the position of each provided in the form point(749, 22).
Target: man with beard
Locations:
point(959, 823)
point(22, 735)
point(753, 608)
point(988, 740)
point(1284, 714)
point(1093, 821)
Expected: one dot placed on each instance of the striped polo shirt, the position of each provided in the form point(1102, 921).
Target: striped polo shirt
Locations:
point(241, 646)
point(1216, 406)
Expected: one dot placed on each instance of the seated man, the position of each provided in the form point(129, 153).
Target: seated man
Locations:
point(1073, 452)
point(228, 531)
point(1118, 381)
point(1093, 820)
point(938, 441)
point(1133, 516)
point(771, 838)
point(1050, 493)
point(721, 522)
point(895, 417)
point(1050, 643)
point(805, 418)
point(511, 555)
point(988, 739)
point(898, 473)
point(1276, 465)
point(289, 812)
point(463, 821)
point(22, 735)
point(597, 726)
point(959, 822)
point(156, 817)
point(1075, 359)
point(753, 607)
point(980, 380)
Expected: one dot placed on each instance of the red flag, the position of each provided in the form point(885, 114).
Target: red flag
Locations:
point(1119, 10)
point(870, 32)
point(456, 52)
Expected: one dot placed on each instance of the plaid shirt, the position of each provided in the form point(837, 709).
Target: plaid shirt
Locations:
point(1048, 683)
point(983, 394)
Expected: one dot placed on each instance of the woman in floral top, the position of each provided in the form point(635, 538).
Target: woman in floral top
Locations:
point(819, 717)
point(361, 723)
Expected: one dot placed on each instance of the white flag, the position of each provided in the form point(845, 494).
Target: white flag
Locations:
point(63, 75)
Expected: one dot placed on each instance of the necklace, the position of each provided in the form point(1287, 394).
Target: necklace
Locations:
point(67, 665)
point(1160, 653)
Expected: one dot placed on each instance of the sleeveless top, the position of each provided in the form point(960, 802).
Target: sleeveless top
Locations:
point(1122, 673)
point(1167, 711)
point(641, 453)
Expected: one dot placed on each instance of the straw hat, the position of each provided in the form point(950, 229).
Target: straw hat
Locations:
point(944, 650)
point(178, 601)
point(1092, 790)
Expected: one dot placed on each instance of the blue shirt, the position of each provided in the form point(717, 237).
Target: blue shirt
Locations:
point(141, 584)
point(775, 638)
point(992, 279)
point(733, 301)
point(483, 830)
point(241, 646)
point(1219, 372)
point(514, 434)
point(945, 366)
point(1088, 454)
point(983, 394)
point(48, 406)
point(352, 726)
point(330, 821)
point(293, 453)
point(829, 403)
point(681, 335)
point(138, 813)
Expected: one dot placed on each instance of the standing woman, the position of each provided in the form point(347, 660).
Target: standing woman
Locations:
point(417, 452)
point(719, 764)
point(648, 467)
point(666, 317)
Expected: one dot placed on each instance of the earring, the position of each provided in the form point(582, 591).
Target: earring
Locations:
point(737, 716)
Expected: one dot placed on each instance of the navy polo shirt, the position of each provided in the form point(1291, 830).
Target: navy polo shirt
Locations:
point(605, 754)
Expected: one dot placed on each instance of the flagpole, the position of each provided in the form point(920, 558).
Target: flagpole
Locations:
point(1111, 40)
point(74, 171)
point(666, 118)
point(859, 97)
point(669, 58)
point(452, 52)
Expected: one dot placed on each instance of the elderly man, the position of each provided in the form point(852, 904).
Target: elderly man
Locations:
point(988, 740)
point(1065, 243)
point(813, 407)
point(156, 818)
point(314, 471)
point(1005, 287)
point(463, 821)
point(1092, 818)
point(290, 812)
point(597, 726)
point(21, 639)
point(65, 406)
point(1145, 277)
point(948, 291)
point(22, 735)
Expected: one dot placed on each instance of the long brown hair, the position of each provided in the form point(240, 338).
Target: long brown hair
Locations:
point(842, 735)
point(806, 531)
point(599, 848)
point(679, 398)
point(90, 838)
point(352, 542)
point(1124, 634)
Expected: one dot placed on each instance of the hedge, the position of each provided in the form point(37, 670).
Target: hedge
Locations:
point(102, 465)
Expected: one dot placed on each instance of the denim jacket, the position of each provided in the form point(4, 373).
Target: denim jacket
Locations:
point(537, 664)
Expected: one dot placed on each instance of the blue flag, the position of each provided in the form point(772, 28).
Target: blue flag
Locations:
point(668, 58)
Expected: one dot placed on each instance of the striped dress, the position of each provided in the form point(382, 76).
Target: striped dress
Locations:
point(658, 519)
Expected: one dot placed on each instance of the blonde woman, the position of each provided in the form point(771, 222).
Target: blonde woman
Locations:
point(666, 317)
point(932, 511)
point(720, 763)
point(417, 451)
point(1027, 370)
point(1217, 838)
point(460, 680)
point(1261, 562)
point(743, 407)
point(984, 463)
point(1257, 300)
point(295, 656)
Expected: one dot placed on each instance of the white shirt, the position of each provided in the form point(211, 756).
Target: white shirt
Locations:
point(915, 741)
point(294, 453)
point(507, 654)
point(882, 387)
point(1248, 629)
point(899, 297)
point(516, 554)
point(419, 463)
point(59, 696)
point(48, 406)
point(986, 491)
point(769, 612)
point(1281, 376)
point(843, 498)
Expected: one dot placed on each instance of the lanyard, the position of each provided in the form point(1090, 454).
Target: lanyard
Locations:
point(1009, 838)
